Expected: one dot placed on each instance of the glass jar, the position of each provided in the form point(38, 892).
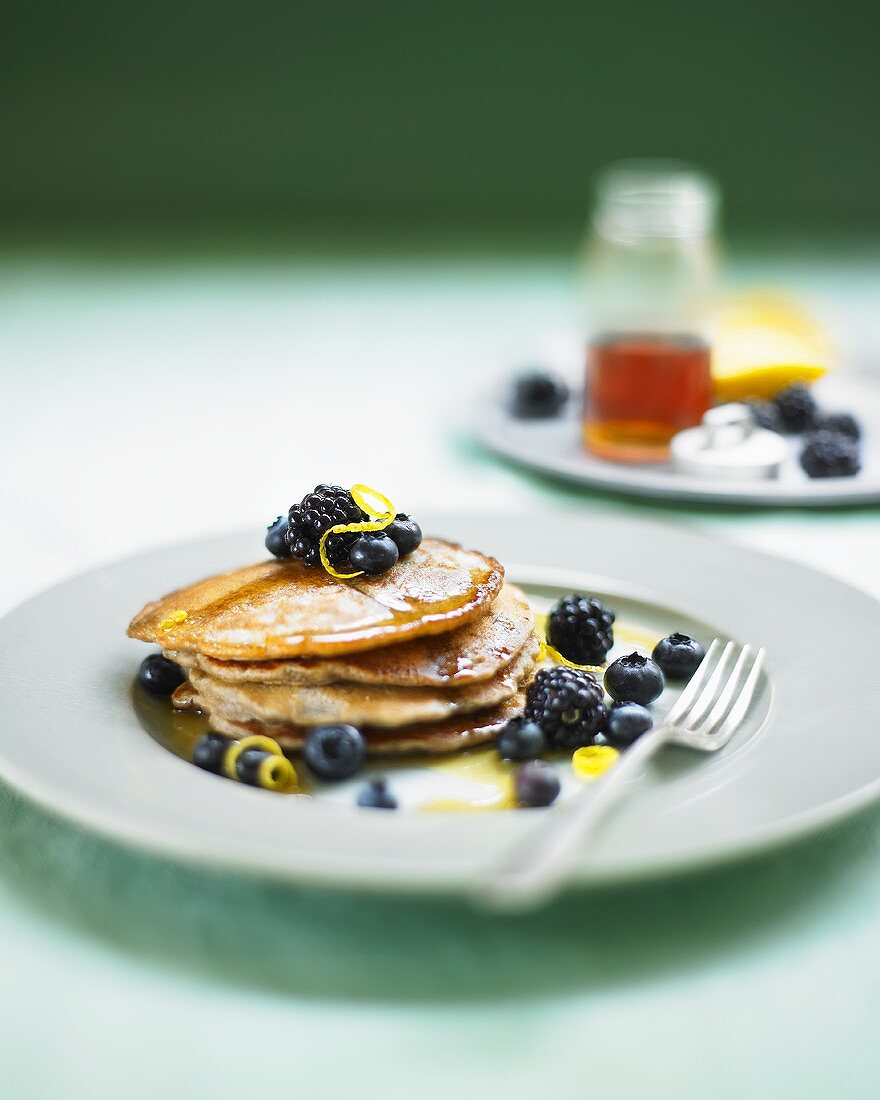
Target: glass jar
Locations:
point(651, 263)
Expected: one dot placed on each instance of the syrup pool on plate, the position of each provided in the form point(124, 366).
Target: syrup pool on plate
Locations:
point(462, 782)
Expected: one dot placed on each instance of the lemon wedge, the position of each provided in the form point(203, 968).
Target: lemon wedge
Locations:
point(765, 341)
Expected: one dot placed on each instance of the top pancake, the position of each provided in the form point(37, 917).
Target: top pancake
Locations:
point(289, 609)
point(469, 654)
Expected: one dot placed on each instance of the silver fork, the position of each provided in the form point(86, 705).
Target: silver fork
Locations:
point(705, 717)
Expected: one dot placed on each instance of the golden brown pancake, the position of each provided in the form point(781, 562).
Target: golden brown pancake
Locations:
point(455, 734)
point(358, 704)
point(468, 655)
point(289, 609)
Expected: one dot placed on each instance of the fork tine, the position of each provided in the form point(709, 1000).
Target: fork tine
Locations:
point(725, 700)
point(710, 692)
point(696, 684)
point(743, 700)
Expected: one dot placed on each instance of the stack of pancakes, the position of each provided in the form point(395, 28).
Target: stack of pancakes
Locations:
point(432, 656)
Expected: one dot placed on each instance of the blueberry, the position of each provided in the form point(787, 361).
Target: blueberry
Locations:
point(276, 538)
point(374, 554)
point(210, 752)
point(520, 739)
point(537, 783)
point(247, 765)
point(262, 769)
point(625, 723)
point(159, 676)
point(376, 796)
point(538, 395)
point(634, 679)
point(405, 533)
point(678, 656)
point(335, 752)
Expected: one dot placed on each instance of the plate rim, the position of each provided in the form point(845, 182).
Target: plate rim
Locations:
point(154, 842)
point(490, 419)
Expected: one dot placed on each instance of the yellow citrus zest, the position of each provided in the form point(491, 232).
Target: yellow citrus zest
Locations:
point(548, 653)
point(172, 620)
point(592, 760)
point(372, 502)
point(276, 775)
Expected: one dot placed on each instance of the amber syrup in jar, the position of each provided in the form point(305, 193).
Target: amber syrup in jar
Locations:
point(651, 262)
point(642, 388)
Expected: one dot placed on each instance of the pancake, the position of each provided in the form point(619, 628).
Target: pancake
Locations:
point(289, 609)
point(463, 732)
point(358, 704)
point(468, 655)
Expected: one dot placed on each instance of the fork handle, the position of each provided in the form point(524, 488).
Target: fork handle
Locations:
point(536, 867)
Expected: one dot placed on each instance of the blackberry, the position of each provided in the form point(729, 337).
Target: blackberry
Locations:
point(568, 704)
point(842, 423)
point(796, 408)
point(765, 415)
point(580, 628)
point(316, 513)
point(830, 454)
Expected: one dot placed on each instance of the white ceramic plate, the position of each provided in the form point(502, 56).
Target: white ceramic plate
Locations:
point(554, 447)
point(809, 753)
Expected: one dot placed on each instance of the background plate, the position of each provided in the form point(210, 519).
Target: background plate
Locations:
point(71, 739)
point(554, 447)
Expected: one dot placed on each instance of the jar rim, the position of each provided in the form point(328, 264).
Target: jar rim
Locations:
point(653, 197)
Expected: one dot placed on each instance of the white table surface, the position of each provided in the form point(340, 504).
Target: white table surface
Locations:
point(148, 405)
point(143, 405)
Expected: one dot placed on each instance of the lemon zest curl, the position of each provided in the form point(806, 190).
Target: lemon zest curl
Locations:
point(372, 502)
point(591, 761)
point(280, 775)
point(546, 652)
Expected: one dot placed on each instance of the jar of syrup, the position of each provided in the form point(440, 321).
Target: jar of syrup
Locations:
point(651, 265)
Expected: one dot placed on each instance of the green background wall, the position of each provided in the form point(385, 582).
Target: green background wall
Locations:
point(477, 116)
